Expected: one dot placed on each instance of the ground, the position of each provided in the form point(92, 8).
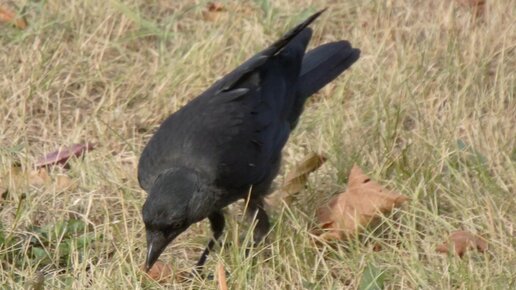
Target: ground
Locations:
point(429, 110)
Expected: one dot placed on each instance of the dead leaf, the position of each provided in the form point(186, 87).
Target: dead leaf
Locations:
point(160, 272)
point(39, 177)
point(7, 178)
point(478, 7)
point(213, 11)
point(7, 16)
point(215, 6)
point(221, 277)
point(363, 202)
point(462, 241)
point(18, 179)
point(62, 155)
point(63, 182)
point(473, 3)
point(296, 180)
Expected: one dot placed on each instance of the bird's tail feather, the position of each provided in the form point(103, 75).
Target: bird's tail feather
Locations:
point(320, 66)
point(323, 64)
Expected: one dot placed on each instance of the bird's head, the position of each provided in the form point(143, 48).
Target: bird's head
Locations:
point(176, 201)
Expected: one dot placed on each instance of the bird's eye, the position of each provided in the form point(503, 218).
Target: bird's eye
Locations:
point(173, 226)
point(176, 225)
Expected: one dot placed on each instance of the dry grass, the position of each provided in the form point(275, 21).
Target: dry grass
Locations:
point(429, 109)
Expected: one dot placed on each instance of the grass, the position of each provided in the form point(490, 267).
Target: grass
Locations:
point(429, 109)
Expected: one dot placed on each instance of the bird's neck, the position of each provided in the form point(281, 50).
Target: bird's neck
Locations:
point(207, 199)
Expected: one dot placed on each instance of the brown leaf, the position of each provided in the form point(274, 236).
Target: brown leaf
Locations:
point(377, 247)
point(62, 155)
point(160, 272)
point(18, 179)
point(296, 179)
point(215, 6)
point(478, 7)
point(473, 3)
point(3, 188)
point(363, 202)
point(462, 241)
point(221, 277)
point(7, 16)
point(212, 12)
point(63, 182)
point(39, 178)
point(13, 179)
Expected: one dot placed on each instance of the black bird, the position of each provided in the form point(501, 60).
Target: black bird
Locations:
point(226, 144)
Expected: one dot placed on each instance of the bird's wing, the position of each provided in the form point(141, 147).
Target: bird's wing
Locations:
point(236, 128)
point(260, 58)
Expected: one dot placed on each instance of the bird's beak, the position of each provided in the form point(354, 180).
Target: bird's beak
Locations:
point(156, 244)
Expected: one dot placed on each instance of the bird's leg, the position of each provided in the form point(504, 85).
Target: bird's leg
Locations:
point(257, 210)
point(217, 226)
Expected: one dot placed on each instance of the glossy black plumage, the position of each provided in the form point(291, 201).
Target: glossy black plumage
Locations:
point(229, 139)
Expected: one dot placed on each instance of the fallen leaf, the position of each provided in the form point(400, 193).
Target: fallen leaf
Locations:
point(296, 179)
point(473, 3)
point(12, 178)
point(477, 6)
point(7, 16)
point(462, 241)
point(160, 272)
point(39, 177)
point(213, 11)
point(363, 202)
point(215, 6)
point(63, 182)
point(62, 155)
point(221, 277)
point(18, 179)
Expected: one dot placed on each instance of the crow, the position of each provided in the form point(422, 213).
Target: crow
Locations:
point(226, 144)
